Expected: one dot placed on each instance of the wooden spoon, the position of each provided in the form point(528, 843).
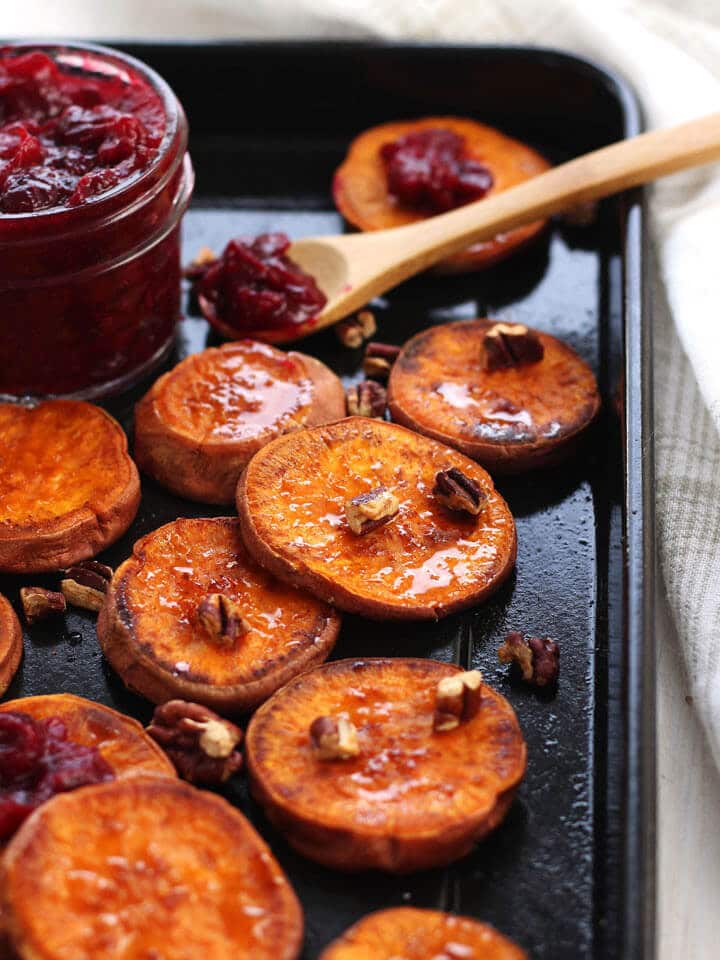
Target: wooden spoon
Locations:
point(353, 268)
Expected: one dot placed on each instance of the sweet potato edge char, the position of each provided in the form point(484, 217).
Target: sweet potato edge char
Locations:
point(68, 486)
point(361, 193)
point(409, 797)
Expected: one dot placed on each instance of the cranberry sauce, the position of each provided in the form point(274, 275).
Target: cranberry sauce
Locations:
point(254, 286)
point(36, 762)
point(66, 137)
point(429, 170)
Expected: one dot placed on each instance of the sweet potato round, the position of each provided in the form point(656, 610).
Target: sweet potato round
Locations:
point(68, 487)
point(201, 422)
point(146, 868)
point(121, 741)
point(413, 798)
point(510, 420)
point(11, 643)
point(421, 935)
point(425, 563)
point(361, 193)
point(149, 630)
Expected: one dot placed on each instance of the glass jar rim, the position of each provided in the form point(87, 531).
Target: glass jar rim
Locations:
point(121, 63)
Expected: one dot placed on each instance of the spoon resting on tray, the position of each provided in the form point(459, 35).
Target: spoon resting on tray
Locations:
point(353, 268)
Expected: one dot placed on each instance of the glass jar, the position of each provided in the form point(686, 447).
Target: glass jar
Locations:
point(90, 293)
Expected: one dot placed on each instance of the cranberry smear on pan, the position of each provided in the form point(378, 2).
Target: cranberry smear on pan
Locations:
point(254, 287)
point(429, 170)
point(36, 762)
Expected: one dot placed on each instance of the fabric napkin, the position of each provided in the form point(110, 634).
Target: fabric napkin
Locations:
point(673, 60)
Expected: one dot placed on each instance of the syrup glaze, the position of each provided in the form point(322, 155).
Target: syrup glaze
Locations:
point(236, 392)
point(174, 568)
point(59, 457)
point(148, 869)
point(295, 495)
point(406, 779)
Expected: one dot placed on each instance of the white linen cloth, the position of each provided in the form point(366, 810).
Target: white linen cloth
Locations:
point(673, 60)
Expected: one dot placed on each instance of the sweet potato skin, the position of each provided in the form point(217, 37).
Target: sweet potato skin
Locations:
point(175, 871)
point(68, 487)
point(291, 502)
point(361, 194)
point(422, 934)
point(121, 740)
point(510, 420)
point(202, 421)
point(413, 798)
point(11, 643)
point(148, 625)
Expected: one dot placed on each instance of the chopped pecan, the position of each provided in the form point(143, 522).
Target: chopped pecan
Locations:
point(379, 358)
point(368, 511)
point(38, 603)
point(367, 399)
point(334, 738)
point(537, 657)
point(457, 700)
point(203, 259)
point(222, 617)
point(86, 584)
point(510, 345)
point(201, 745)
point(355, 331)
point(456, 491)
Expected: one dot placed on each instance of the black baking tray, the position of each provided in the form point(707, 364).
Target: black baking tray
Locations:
point(570, 873)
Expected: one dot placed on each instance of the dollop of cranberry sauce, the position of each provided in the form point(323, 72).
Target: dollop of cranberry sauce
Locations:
point(67, 135)
point(37, 761)
point(430, 170)
point(254, 286)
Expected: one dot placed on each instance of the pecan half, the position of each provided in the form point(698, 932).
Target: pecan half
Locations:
point(334, 738)
point(510, 345)
point(368, 511)
point(457, 700)
point(86, 584)
point(38, 603)
point(379, 358)
point(203, 259)
point(356, 330)
point(367, 399)
point(456, 491)
point(222, 617)
point(201, 745)
point(537, 657)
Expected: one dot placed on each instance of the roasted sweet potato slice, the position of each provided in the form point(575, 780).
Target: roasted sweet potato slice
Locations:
point(361, 194)
point(202, 421)
point(509, 419)
point(121, 741)
point(11, 645)
point(421, 935)
point(68, 487)
point(168, 636)
point(411, 798)
point(145, 868)
point(424, 563)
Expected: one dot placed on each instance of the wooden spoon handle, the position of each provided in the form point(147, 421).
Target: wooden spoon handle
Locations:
point(609, 170)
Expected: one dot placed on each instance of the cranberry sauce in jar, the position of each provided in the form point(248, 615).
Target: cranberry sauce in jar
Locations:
point(94, 180)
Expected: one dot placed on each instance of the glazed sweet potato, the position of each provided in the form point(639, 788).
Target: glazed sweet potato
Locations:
point(68, 487)
point(11, 643)
point(421, 935)
point(412, 798)
point(425, 563)
point(361, 194)
point(145, 868)
point(156, 635)
point(121, 741)
point(510, 419)
point(202, 421)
